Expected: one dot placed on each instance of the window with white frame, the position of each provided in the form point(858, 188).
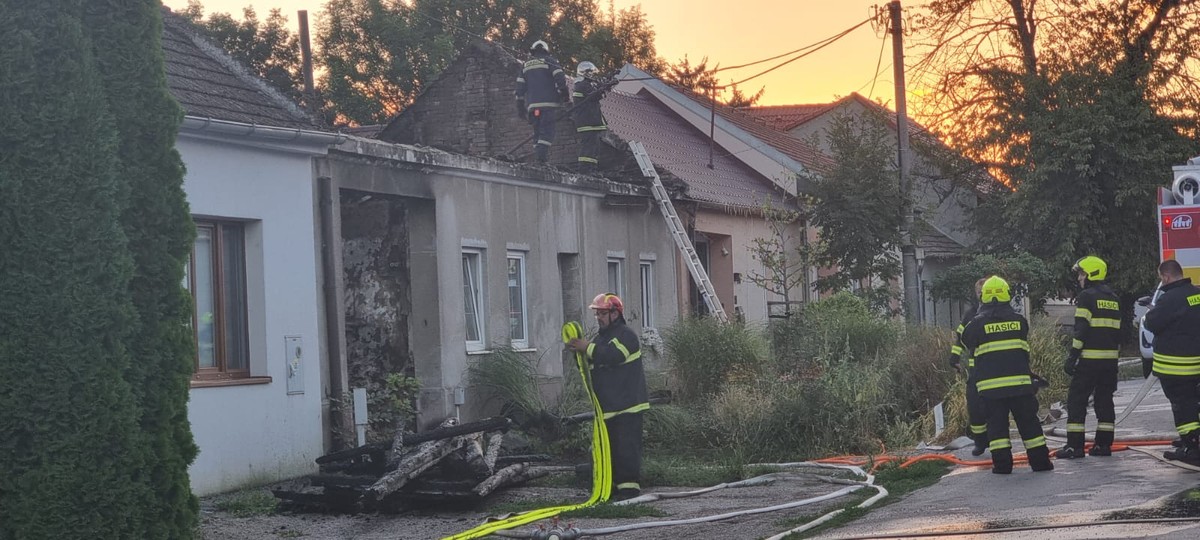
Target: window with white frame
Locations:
point(518, 315)
point(473, 297)
point(647, 275)
point(616, 276)
point(216, 277)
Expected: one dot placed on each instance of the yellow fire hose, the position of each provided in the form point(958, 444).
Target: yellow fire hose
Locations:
point(601, 462)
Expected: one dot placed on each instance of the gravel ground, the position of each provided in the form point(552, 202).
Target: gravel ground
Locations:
point(436, 523)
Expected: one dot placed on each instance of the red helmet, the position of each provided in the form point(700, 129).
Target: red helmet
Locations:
point(608, 301)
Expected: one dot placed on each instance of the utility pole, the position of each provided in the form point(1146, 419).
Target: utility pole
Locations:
point(908, 249)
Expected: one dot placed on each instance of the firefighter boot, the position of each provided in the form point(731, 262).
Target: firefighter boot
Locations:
point(1097, 450)
point(981, 444)
point(1002, 461)
point(1039, 459)
point(1070, 452)
point(1190, 453)
point(542, 152)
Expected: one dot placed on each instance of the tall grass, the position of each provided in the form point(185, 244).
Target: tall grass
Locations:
point(705, 353)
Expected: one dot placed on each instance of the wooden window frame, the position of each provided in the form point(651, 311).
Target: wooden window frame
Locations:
point(220, 372)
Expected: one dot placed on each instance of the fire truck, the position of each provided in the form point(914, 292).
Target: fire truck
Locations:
point(1179, 234)
point(1179, 219)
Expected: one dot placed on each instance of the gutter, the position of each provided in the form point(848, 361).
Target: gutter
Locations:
point(228, 129)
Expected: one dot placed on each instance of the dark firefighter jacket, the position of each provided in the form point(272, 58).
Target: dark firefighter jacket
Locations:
point(617, 374)
point(1175, 321)
point(1097, 328)
point(542, 83)
point(956, 350)
point(997, 337)
point(587, 115)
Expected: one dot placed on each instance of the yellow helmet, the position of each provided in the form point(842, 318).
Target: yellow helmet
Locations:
point(1093, 267)
point(995, 289)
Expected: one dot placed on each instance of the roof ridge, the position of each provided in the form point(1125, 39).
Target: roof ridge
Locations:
point(222, 57)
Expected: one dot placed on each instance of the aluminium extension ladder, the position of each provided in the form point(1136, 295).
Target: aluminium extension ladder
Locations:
point(690, 258)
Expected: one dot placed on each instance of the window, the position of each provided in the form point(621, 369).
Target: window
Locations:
point(216, 277)
point(472, 268)
point(518, 317)
point(647, 274)
point(616, 277)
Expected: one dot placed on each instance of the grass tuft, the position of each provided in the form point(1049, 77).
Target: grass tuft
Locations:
point(248, 504)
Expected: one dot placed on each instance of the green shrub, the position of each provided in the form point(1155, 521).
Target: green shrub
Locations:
point(703, 354)
point(126, 40)
point(836, 329)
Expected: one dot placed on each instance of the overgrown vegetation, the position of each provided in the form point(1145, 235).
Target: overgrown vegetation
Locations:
point(835, 378)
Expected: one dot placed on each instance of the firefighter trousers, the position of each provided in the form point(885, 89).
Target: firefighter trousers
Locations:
point(1085, 384)
point(542, 119)
point(1024, 411)
point(589, 148)
point(625, 446)
point(976, 413)
point(1184, 396)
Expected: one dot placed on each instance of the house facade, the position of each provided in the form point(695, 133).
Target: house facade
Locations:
point(256, 399)
point(943, 202)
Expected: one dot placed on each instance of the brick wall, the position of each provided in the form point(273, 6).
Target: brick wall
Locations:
point(470, 110)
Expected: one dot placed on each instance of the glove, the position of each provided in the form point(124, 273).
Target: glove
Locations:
point(1069, 365)
point(520, 108)
point(954, 360)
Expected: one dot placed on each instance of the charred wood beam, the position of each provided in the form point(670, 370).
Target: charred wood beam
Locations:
point(410, 439)
point(419, 460)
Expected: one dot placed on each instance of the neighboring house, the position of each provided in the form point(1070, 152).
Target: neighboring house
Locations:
point(256, 398)
point(944, 203)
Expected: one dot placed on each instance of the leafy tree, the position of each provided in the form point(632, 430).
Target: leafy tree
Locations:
point(379, 55)
point(785, 255)
point(701, 79)
point(1082, 120)
point(69, 425)
point(267, 47)
point(857, 210)
point(1029, 277)
point(126, 40)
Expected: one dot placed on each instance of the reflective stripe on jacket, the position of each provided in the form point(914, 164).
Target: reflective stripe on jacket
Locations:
point(998, 339)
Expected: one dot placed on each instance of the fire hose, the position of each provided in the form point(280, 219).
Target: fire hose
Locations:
point(601, 462)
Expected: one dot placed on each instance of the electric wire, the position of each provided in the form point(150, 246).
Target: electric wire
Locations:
point(789, 53)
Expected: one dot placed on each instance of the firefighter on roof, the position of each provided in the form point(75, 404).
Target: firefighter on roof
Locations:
point(996, 337)
point(541, 90)
point(1092, 362)
point(620, 385)
point(589, 122)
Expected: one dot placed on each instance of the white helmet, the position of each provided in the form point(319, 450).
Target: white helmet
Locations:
point(585, 68)
point(541, 44)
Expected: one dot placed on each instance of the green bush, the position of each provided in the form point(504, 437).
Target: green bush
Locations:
point(703, 354)
point(70, 462)
point(125, 37)
point(837, 329)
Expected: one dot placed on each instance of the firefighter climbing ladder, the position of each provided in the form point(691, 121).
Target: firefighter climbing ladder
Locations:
point(690, 258)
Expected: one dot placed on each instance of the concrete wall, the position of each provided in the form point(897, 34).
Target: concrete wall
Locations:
point(253, 434)
point(553, 224)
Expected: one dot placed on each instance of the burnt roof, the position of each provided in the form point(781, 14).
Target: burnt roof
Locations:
point(208, 83)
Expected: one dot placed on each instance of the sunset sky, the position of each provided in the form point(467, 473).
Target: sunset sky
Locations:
point(732, 33)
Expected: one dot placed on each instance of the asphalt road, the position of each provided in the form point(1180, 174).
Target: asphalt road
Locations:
point(1077, 491)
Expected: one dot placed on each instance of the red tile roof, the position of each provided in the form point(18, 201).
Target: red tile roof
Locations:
point(786, 117)
point(678, 147)
point(801, 151)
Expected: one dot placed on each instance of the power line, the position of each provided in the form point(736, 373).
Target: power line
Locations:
point(822, 45)
point(801, 49)
point(882, 43)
